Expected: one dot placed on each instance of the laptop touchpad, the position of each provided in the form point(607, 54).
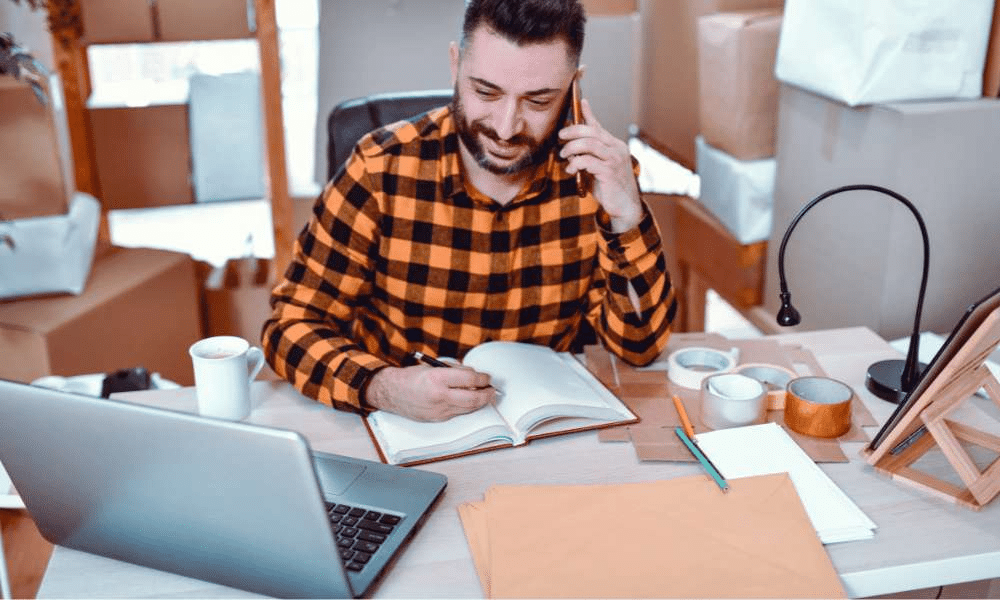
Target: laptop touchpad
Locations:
point(336, 476)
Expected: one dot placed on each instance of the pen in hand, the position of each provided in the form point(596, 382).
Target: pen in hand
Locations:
point(430, 360)
point(436, 362)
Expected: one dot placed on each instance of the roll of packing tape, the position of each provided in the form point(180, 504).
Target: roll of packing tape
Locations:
point(687, 367)
point(818, 406)
point(774, 378)
point(732, 400)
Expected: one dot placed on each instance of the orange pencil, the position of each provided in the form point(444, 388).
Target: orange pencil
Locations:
point(684, 417)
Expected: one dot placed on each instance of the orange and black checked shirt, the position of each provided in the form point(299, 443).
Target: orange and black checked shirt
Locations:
point(401, 255)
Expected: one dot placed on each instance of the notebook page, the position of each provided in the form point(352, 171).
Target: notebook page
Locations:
point(763, 449)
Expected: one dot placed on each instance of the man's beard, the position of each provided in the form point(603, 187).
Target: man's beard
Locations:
point(469, 134)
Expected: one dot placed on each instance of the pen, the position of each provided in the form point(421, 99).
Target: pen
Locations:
point(430, 360)
point(434, 362)
point(703, 459)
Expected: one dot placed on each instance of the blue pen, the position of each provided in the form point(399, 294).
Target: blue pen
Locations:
point(705, 463)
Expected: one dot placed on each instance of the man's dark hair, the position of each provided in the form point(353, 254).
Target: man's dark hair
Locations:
point(528, 21)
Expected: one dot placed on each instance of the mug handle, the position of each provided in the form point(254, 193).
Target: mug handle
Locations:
point(255, 361)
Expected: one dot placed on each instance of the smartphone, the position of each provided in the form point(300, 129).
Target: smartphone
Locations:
point(576, 110)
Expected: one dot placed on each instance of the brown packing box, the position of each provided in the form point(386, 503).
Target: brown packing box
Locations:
point(140, 308)
point(30, 166)
point(991, 71)
point(124, 21)
point(605, 8)
point(856, 258)
point(238, 302)
point(738, 93)
point(702, 254)
point(668, 93)
point(143, 154)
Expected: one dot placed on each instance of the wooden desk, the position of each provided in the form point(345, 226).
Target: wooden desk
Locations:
point(920, 542)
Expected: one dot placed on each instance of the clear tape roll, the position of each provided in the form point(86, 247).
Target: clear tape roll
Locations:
point(732, 400)
point(818, 406)
point(774, 377)
point(688, 367)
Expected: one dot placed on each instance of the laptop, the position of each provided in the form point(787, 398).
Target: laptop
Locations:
point(232, 503)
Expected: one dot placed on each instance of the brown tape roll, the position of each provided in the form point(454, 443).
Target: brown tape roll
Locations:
point(818, 406)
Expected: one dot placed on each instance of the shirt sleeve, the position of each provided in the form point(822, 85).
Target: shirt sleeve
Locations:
point(633, 257)
point(307, 338)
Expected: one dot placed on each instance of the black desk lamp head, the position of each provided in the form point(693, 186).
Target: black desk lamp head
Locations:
point(888, 379)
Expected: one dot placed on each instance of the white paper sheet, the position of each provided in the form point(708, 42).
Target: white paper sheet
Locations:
point(762, 449)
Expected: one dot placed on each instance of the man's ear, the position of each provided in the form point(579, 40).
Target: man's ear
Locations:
point(455, 55)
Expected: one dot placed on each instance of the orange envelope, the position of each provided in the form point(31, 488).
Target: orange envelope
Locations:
point(674, 538)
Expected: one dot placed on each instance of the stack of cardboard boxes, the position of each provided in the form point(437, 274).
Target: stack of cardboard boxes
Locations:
point(895, 97)
point(869, 93)
point(704, 252)
point(69, 304)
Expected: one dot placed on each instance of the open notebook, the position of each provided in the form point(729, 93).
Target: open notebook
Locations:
point(763, 449)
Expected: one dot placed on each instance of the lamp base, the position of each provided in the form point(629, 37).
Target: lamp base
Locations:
point(884, 379)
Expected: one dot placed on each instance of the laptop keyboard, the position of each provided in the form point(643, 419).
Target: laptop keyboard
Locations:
point(359, 531)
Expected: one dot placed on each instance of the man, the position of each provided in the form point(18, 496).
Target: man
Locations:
point(464, 225)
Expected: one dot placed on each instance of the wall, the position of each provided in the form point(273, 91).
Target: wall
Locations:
point(399, 45)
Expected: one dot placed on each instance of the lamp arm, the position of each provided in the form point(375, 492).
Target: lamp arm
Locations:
point(909, 376)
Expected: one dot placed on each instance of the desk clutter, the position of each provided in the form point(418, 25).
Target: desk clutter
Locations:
point(647, 392)
point(681, 535)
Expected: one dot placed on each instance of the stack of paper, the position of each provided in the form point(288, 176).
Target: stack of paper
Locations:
point(678, 538)
point(760, 449)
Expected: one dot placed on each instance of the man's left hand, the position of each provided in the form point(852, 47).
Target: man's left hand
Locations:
point(591, 148)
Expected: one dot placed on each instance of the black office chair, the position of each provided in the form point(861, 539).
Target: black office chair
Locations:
point(350, 120)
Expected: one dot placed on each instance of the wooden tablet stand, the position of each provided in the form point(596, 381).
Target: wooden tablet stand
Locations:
point(941, 394)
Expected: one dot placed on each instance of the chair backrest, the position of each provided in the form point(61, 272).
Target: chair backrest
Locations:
point(352, 119)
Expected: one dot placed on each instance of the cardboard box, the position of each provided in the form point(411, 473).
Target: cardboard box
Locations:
point(856, 258)
point(142, 148)
point(740, 193)
point(33, 158)
point(181, 20)
point(991, 70)
point(738, 93)
point(140, 308)
point(701, 255)
point(889, 51)
point(128, 21)
point(668, 89)
point(236, 300)
point(227, 137)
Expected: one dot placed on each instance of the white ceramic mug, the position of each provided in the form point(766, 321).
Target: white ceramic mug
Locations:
point(224, 366)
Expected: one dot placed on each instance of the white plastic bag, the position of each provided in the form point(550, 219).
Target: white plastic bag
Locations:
point(48, 255)
point(869, 52)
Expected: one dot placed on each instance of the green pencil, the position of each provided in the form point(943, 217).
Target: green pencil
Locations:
point(705, 462)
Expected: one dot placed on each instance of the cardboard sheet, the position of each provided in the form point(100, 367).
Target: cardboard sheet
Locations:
point(647, 392)
point(683, 538)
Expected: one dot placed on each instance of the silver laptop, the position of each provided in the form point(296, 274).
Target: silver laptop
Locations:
point(241, 505)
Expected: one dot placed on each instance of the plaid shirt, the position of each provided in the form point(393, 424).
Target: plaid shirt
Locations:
point(401, 255)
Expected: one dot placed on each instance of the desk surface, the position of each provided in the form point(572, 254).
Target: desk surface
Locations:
point(920, 542)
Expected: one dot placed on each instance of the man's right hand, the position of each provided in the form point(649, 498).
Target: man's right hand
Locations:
point(426, 393)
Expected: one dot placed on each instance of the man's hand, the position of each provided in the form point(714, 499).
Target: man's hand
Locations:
point(425, 393)
point(591, 148)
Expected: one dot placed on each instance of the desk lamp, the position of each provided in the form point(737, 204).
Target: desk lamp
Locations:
point(892, 379)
